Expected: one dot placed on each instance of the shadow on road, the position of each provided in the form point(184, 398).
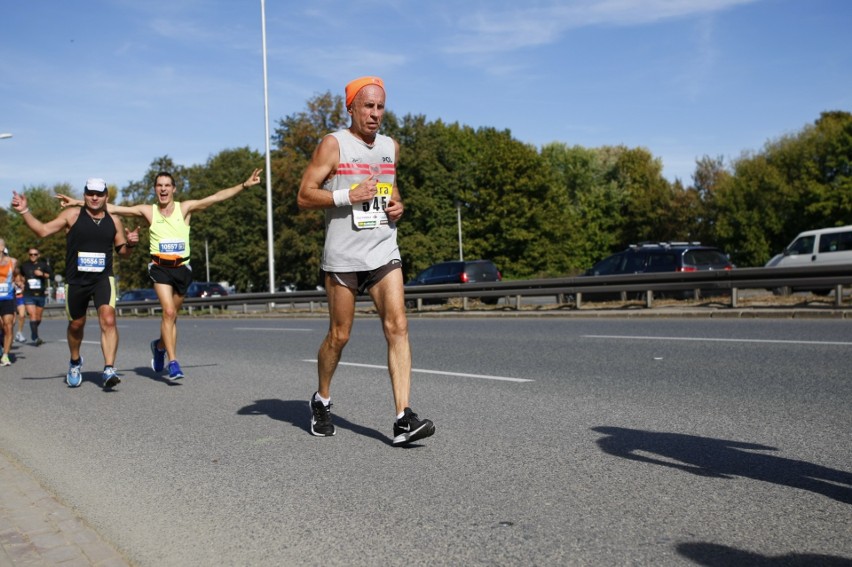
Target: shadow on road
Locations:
point(298, 414)
point(720, 458)
point(714, 555)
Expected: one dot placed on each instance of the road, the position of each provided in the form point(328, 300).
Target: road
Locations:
point(560, 441)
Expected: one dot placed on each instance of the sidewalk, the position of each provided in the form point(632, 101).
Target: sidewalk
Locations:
point(36, 530)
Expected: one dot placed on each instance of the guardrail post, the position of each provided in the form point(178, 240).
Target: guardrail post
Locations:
point(649, 299)
point(578, 301)
point(838, 295)
point(464, 303)
point(517, 303)
point(734, 297)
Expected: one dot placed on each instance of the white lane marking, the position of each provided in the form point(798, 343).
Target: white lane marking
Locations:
point(443, 373)
point(270, 329)
point(771, 341)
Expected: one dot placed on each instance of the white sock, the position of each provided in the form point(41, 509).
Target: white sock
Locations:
point(325, 401)
point(402, 413)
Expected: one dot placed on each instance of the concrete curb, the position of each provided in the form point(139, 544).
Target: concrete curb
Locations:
point(36, 529)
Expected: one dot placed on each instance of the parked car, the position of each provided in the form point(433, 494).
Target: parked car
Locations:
point(460, 271)
point(287, 287)
point(655, 257)
point(142, 294)
point(206, 289)
point(816, 247)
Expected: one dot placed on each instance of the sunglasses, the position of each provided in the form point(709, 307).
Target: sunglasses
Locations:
point(33, 254)
point(94, 193)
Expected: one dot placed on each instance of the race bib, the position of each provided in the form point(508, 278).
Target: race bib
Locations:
point(5, 288)
point(172, 247)
point(34, 283)
point(371, 214)
point(91, 261)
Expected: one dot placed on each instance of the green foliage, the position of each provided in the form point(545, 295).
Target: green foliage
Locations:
point(592, 204)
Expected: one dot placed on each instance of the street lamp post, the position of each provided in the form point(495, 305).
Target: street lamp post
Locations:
point(270, 235)
point(458, 219)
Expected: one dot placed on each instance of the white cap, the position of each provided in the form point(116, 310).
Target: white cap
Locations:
point(95, 184)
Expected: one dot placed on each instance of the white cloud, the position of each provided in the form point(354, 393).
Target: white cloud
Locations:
point(497, 30)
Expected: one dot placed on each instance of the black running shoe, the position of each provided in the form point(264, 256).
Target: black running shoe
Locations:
point(411, 428)
point(321, 424)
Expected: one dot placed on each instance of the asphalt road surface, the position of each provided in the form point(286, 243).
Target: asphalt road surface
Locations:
point(560, 441)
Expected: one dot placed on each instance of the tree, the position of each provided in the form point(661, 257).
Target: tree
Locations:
point(751, 206)
point(593, 209)
point(648, 207)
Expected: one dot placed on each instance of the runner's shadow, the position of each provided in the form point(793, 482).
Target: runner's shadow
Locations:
point(715, 555)
point(724, 459)
point(298, 414)
point(147, 372)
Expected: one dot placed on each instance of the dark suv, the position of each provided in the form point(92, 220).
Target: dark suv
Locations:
point(653, 257)
point(206, 289)
point(458, 271)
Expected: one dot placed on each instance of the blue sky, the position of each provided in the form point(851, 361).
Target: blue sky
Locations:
point(100, 88)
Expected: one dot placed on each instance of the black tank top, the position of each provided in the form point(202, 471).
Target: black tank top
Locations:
point(88, 249)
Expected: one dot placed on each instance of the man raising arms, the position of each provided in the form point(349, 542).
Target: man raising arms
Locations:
point(91, 234)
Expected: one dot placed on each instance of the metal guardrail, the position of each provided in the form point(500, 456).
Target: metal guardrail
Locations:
point(700, 283)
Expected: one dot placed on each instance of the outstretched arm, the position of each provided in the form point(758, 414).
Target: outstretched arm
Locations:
point(121, 210)
point(189, 207)
point(65, 218)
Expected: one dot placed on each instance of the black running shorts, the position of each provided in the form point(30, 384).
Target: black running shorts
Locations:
point(77, 296)
point(179, 277)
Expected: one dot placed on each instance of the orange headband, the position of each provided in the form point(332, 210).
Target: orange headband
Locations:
point(358, 84)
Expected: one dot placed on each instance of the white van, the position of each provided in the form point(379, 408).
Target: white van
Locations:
point(815, 248)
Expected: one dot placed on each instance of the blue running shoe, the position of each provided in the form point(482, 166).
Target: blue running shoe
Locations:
point(175, 371)
point(75, 374)
point(159, 360)
point(110, 378)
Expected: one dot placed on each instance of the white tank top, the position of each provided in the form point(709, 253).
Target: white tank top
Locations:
point(349, 248)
